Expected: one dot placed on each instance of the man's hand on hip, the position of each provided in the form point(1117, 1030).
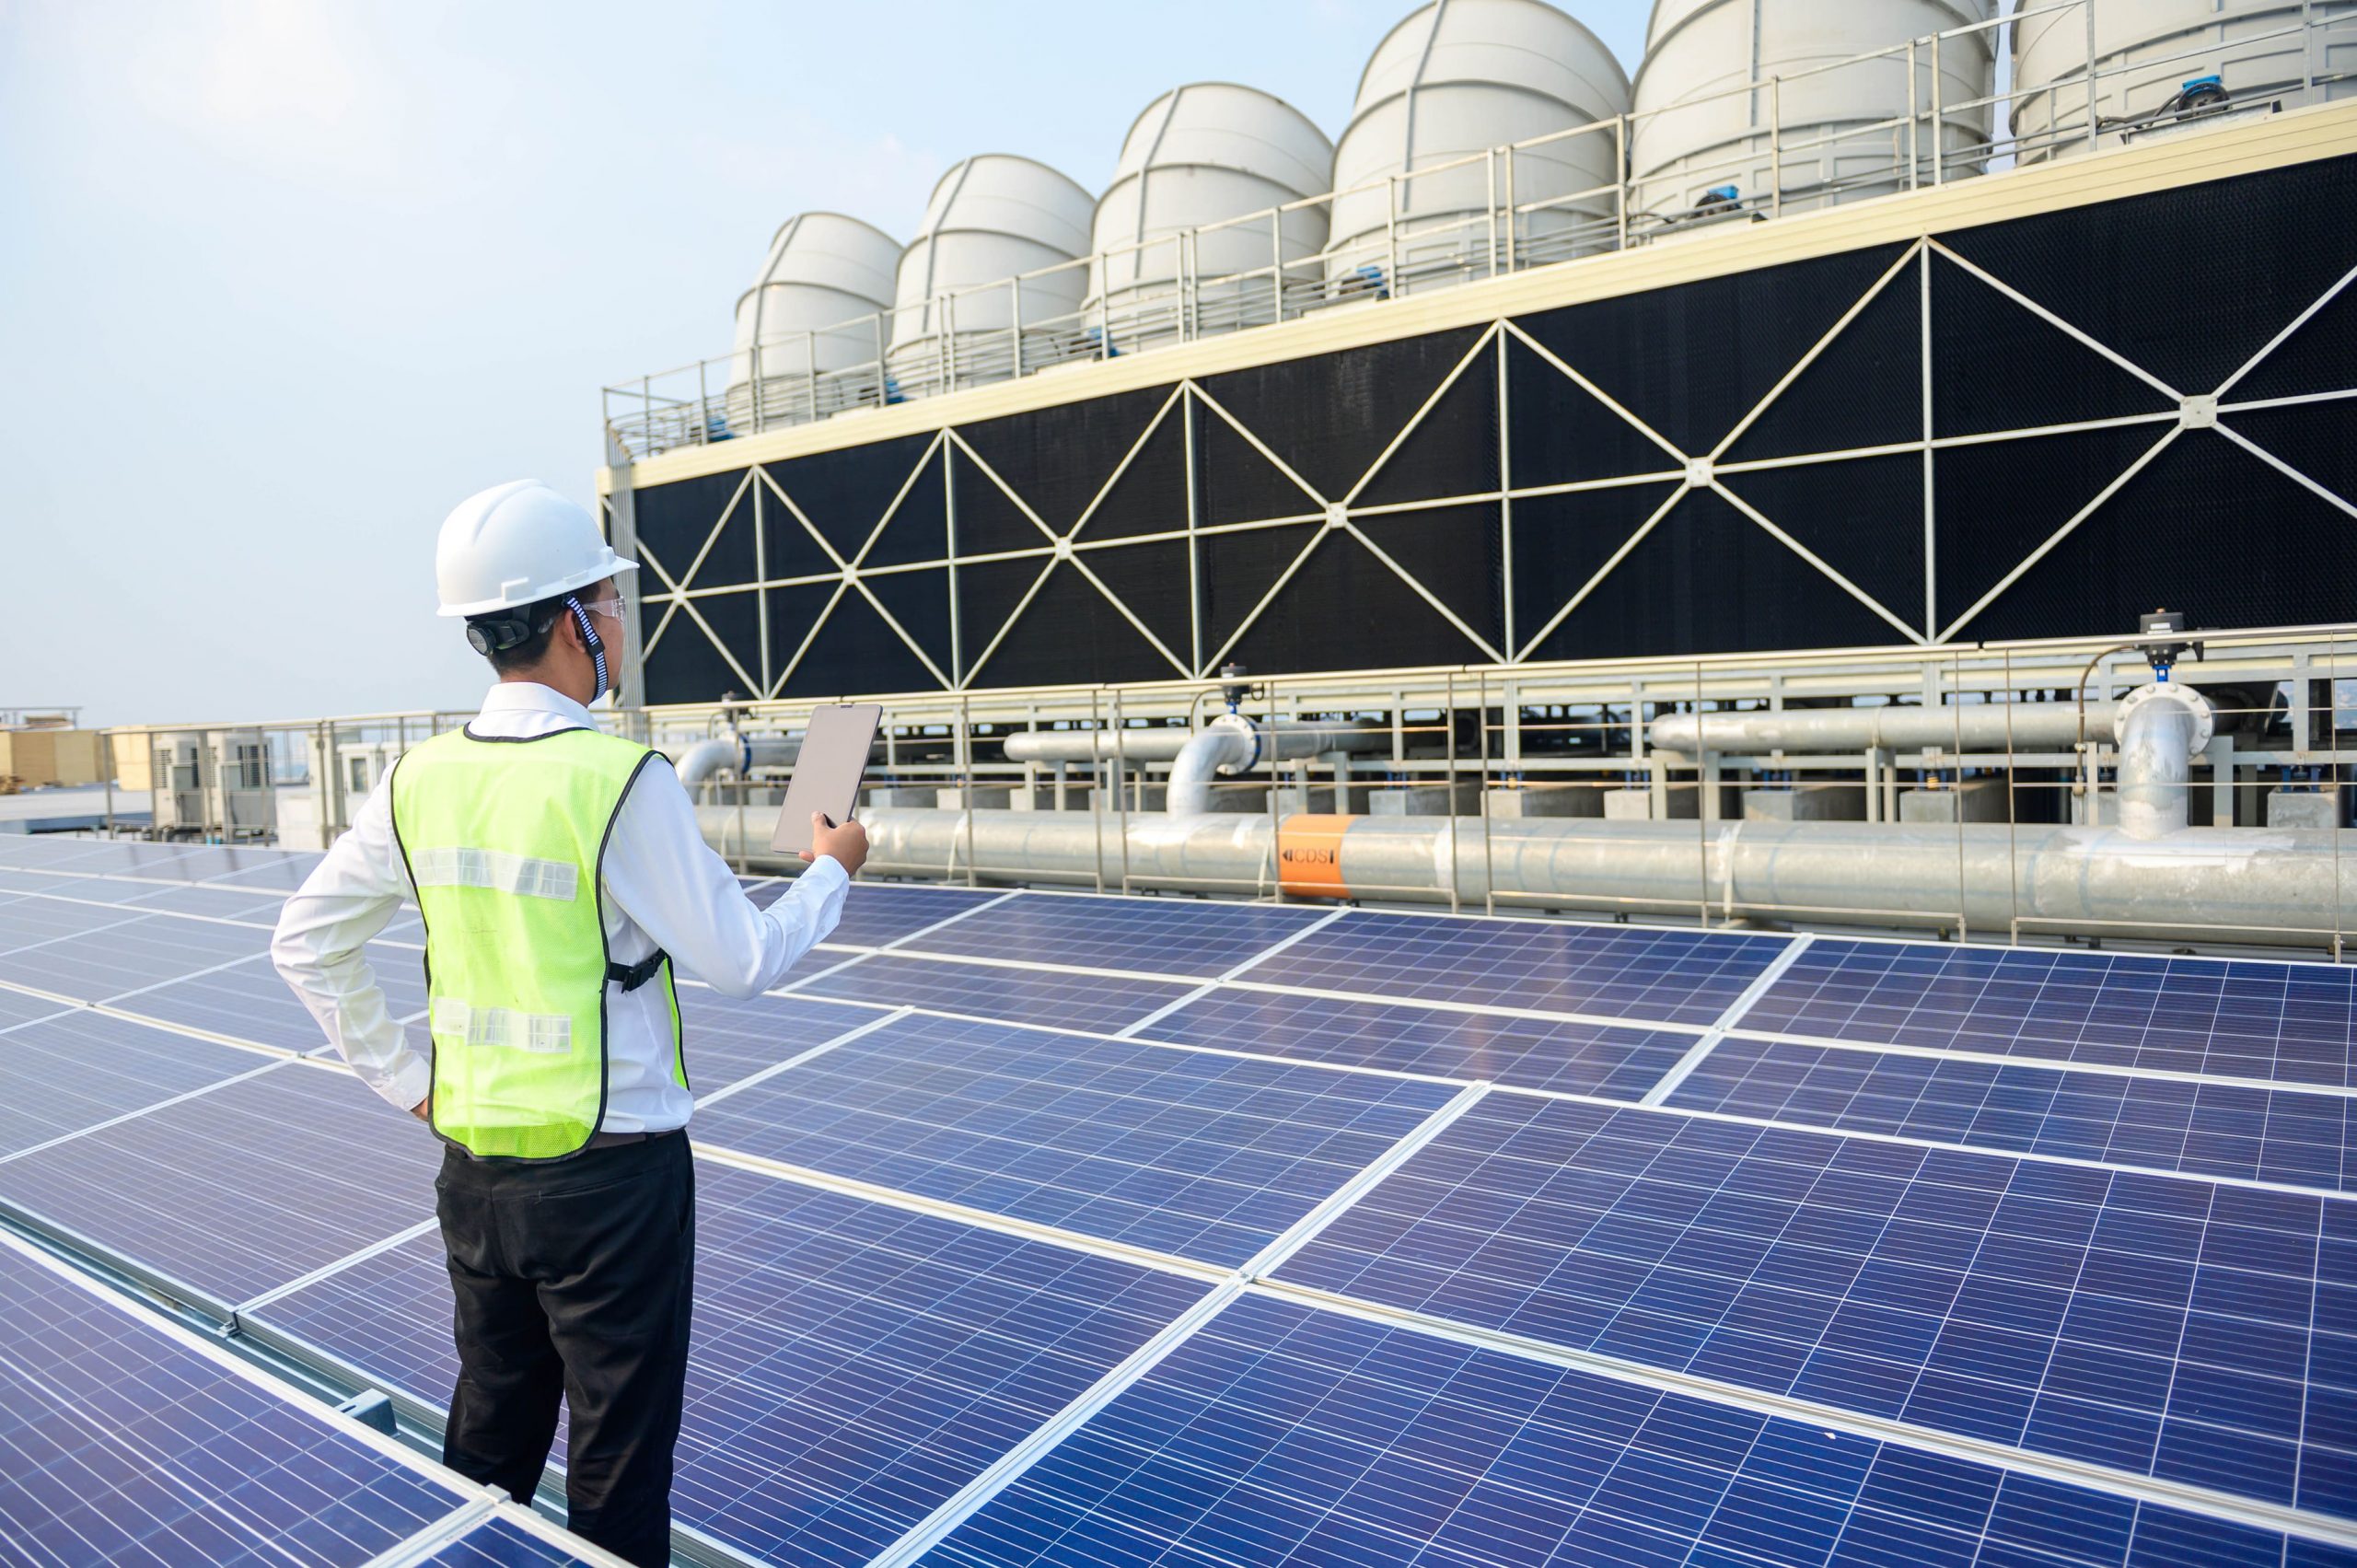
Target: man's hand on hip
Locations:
point(846, 843)
point(424, 1111)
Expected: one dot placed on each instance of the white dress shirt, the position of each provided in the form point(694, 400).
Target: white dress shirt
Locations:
point(662, 887)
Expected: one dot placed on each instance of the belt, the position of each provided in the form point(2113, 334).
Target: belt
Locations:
point(614, 1140)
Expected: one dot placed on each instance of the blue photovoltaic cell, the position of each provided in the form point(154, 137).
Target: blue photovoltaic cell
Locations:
point(249, 1001)
point(877, 913)
point(1091, 1002)
point(1204, 1155)
point(81, 1068)
point(727, 1039)
point(2230, 1129)
point(1279, 1433)
point(1184, 936)
point(1532, 1054)
point(259, 908)
point(21, 1007)
point(1673, 977)
point(387, 1316)
point(2156, 1324)
point(37, 922)
point(242, 1188)
point(127, 1447)
point(105, 857)
point(853, 1364)
point(96, 965)
point(2288, 1022)
point(500, 1543)
point(281, 869)
point(88, 890)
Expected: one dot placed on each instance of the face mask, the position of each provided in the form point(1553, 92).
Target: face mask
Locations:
point(590, 639)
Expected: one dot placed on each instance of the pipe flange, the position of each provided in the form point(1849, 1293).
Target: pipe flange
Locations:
point(2205, 718)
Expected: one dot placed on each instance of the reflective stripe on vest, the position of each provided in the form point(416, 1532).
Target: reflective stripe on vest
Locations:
point(504, 840)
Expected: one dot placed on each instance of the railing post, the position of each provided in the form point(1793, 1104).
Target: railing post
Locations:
point(1513, 222)
point(883, 383)
point(1914, 121)
point(1014, 323)
point(1776, 147)
point(947, 312)
point(1277, 264)
point(1938, 138)
point(810, 374)
point(1620, 174)
point(703, 404)
point(1391, 235)
point(2092, 137)
point(1490, 169)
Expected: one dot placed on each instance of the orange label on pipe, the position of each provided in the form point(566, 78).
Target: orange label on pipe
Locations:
point(1309, 855)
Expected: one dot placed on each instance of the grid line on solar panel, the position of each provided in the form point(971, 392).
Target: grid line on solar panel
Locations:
point(2235, 1132)
point(885, 914)
point(2160, 1325)
point(727, 1039)
point(1282, 1434)
point(233, 1189)
point(1196, 1155)
point(1182, 936)
point(81, 1070)
point(2282, 1022)
point(853, 1364)
point(1613, 972)
point(1091, 1003)
point(509, 1540)
point(144, 951)
point(245, 1000)
point(1610, 1061)
point(130, 1444)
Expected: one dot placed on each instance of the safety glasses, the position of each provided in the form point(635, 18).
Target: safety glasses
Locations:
point(612, 608)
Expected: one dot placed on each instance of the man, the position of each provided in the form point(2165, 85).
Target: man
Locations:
point(561, 875)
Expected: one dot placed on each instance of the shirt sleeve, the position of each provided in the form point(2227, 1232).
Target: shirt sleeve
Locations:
point(662, 874)
point(323, 935)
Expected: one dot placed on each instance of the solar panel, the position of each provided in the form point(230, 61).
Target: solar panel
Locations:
point(853, 1364)
point(501, 1543)
point(1185, 936)
point(240, 1188)
point(2292, 1023)
point(1536, 1053)
point(988, 991)
point(249, 1001)
point(96, 965)
point(89, 890)
point(81, 1068)
point(1184, 1152)
point(21, 1006)
point(2238, 1131)
point(282, 869)
point(727, 1039)
point(1676, 977)
point(260, 909)
point(127, 1446)
point(1282, 1434)
point(34, 921)
point(877, 913)
point(121, 858)
point(2158, 1325)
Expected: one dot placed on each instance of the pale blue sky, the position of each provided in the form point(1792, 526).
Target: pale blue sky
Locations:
point(282, 282)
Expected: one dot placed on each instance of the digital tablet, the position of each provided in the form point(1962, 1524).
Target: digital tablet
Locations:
point(827, 771)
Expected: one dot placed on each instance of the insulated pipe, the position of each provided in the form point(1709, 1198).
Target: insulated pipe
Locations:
point(1095, 745)
point(2251, 885)
point(1233, 745)
point(2160, 728)
point(1967, 726)
point(734, 754)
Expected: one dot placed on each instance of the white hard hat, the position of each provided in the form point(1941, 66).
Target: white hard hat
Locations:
point(515, 544)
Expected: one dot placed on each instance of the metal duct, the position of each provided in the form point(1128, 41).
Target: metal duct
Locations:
point(2160, 728)
point(1097, 745)
point(1233, 745)
point(2252, 885)
point(734, 754)
point(1973, 726)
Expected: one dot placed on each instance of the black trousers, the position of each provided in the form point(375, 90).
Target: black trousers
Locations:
point(573, 1281)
